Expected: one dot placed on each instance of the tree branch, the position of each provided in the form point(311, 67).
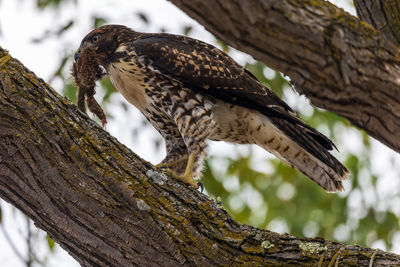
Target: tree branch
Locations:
point(339, 62)
point(106, 206)
point(383, 15)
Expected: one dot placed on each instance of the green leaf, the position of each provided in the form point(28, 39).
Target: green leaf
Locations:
point(143, 17)
point(65, 27)
point(223, 46)
point(69, 91)
point(108, 88)
point(50, 243)
point(99, 21)
point(41, 4)
point(187, 30)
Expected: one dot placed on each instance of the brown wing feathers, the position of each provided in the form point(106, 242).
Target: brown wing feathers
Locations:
point(208, 70)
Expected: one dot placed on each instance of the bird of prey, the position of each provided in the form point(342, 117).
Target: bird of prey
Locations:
point(192, 92)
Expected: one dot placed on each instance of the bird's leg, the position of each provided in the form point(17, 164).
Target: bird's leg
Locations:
point(197, 153)
point(193, 124)
point(178, 162)
point(177, 153)
point(170, 164)
point(188, 175)
point(193, 166)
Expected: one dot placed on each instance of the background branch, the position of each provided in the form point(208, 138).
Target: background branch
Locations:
point(383, 15)
point(339, 62)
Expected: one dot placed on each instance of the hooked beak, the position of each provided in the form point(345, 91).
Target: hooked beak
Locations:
point(76, 56)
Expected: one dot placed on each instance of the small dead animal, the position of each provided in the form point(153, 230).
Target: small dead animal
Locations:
point(86, 71)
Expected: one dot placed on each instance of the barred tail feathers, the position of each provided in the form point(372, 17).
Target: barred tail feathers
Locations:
point(300, 147)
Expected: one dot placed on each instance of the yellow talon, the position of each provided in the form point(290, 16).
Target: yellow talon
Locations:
point(189, 167)
point(187, 176)
point(4, 59)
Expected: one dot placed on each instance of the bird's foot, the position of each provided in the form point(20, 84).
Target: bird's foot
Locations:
point(187, 179)
point(170, 164)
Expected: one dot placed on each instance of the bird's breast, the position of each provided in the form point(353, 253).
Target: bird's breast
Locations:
point(131, 81)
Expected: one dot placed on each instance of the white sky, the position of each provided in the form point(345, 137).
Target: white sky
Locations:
point(20, 22)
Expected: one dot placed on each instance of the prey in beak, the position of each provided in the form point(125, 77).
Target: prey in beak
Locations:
point(86, 71)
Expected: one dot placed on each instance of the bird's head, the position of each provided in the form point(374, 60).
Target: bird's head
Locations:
point(103, 41)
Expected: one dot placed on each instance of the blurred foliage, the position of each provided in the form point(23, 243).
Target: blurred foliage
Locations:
point(276, 84)
point(143, 17)
point(280, 199)
point(41, 4)
point(54, 33)
point(98, 21)
point(29, 254)
point(224, 47)
point(187, 30)
point(50, 243)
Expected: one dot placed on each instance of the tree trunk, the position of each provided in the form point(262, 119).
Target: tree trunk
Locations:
point(339, 62)
point(107, 207)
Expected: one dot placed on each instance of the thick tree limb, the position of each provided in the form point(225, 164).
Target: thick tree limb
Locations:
point(107, 207)
point(339, 62)
point(383, 15)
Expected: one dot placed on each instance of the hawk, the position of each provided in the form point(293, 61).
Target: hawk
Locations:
point(192, 92)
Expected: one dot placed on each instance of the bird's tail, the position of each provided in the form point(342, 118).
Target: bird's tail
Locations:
point(303, 148)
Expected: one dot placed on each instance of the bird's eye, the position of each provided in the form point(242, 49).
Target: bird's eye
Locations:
point(95, 39)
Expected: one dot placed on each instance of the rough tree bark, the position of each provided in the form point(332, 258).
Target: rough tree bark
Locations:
point(384, 15)
point(339, 62)
point(107, 207)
